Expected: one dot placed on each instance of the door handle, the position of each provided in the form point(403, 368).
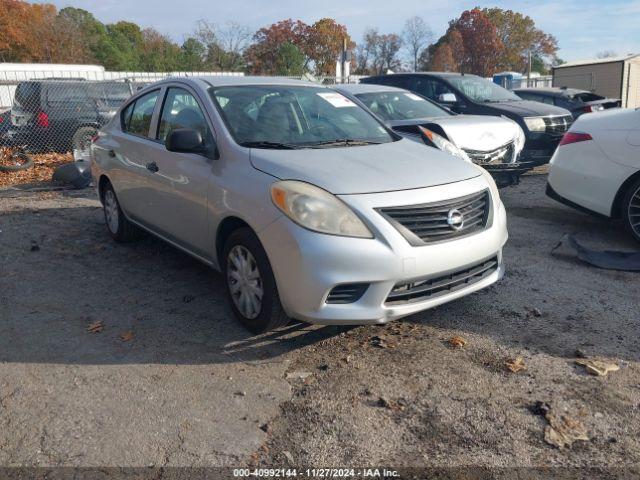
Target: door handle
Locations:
point(152, 167)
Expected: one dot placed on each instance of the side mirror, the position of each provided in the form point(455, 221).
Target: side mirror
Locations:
point(187, 140)
point(447, 98)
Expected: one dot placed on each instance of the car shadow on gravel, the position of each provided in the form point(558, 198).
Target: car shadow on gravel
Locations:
point(62, 273)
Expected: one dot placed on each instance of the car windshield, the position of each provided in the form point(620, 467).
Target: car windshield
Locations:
point(482, 90)
point(279, 116)
point(400, 105)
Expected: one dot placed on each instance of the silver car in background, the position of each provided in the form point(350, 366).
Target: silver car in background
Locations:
point(310, 206)
point(494, 143)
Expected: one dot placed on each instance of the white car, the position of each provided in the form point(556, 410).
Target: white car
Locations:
point(597, 166)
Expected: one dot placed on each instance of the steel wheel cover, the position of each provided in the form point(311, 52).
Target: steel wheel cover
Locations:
point(245, 282)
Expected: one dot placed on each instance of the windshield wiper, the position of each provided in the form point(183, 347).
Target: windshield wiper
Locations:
point(347, 142)
point(266, 144)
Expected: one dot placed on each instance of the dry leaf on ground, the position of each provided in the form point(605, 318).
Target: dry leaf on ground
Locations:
point(516, 365)
point(41, 172)
point(563, 430)
point(126, 336)
point(597, 367)
point(95, 327)
point(457, 342)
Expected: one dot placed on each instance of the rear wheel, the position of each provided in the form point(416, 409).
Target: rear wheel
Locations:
point(631, 210)
point(251, 286)
point(121, 229)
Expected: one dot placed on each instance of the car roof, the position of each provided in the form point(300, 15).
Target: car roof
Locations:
point(237, 80)
point(357, 88)
point(434, 74)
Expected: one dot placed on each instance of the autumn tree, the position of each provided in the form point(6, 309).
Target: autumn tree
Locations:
point(224, 44)
point(325, 42)
point(262, 55)
point(519, 36)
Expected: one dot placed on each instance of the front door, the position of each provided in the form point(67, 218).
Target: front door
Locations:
point(179, 182)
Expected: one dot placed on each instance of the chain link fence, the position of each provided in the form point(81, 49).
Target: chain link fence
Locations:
point(60, 112)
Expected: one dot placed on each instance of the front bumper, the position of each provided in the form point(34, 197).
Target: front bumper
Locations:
point(307, 265)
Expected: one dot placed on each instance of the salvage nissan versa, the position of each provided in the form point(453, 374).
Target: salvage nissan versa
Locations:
point(311, 207)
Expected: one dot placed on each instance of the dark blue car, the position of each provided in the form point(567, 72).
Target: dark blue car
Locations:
point(574, 100)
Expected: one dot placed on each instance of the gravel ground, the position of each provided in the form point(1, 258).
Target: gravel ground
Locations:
point(193, 388)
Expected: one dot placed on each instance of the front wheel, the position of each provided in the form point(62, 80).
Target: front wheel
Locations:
point(251, 286)
point(631, 210)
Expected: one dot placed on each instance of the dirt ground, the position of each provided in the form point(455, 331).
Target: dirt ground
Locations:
point(188, 386)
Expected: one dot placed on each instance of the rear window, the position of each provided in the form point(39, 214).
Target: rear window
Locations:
point(587, 97)
point(28, 95)
point(64, 94)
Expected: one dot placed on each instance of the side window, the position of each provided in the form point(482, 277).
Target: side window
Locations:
point(136, 118)
point(430, 88)
point(396, 81)
point(181, 110)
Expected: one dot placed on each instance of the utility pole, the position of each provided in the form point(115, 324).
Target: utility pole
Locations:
point(343, 58)
point(529, 68)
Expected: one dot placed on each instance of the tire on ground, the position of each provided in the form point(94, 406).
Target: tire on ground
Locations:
point(125, 231)
point(271, 314)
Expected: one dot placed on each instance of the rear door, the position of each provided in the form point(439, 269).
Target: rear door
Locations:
point(130, 150)
point(177, 187)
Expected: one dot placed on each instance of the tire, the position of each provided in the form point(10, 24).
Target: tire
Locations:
point(25, 162)
point(631, 210)
point(120, 229)
point(81, 142)
point(257, 312)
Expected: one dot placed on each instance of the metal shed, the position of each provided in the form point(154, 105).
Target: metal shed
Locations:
point(613, 77)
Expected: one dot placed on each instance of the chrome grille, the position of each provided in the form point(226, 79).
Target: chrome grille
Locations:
point(418, 290)
point(434, 222)
point(558, 125)
point(503, 154)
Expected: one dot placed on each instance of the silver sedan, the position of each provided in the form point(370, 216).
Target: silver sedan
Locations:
point(308, 204)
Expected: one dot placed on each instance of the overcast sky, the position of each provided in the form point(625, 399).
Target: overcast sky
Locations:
point(583, 27)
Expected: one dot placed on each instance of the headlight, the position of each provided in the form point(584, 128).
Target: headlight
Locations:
point(445, 145)
point(535, 124)
point(520, 138)
point(317, 209)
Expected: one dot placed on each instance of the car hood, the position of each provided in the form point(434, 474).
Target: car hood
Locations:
point(527, 108)
point(400, 165)
point(470, 132)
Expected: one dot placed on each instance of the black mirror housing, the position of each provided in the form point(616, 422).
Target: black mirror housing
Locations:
point(185, 140)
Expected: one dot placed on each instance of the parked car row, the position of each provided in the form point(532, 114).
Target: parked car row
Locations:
point(494, 143)
point(542, 124)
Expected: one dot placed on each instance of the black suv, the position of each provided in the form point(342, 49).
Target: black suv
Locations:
point(543, 125)
point(62, 115)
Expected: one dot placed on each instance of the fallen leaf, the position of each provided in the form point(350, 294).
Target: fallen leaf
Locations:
point(126, 336)
point(516, 365)
point(598, 367)
point(95, 327)
point(457, 342)
point(381, 342)
point(563, 430)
